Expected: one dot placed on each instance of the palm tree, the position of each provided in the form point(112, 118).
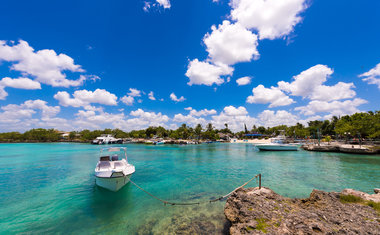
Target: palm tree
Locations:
point(198, 131)
point(210, 127)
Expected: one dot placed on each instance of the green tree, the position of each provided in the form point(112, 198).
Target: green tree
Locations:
point(198, 131)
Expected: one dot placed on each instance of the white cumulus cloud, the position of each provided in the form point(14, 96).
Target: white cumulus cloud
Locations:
point(3, 93)
point(205, 73)
point(20, 83)
point(234, 117)
point(176, 99)
point(305, 83)
point(21, 117)
point(335, 108)
point(128, 100)
point(372, 76)
point(273, 95)
point(233, 111)
point(151, 96)
point(339, 91)
point(231, 43)
point(85, 97)
point(271, 118)
point(164, 3)
point(134, 92)
point(309, 84)
point(271, 18)
point(46, 66)
point(155, 5)
point(243, 81)
point(142, 119)
point(203, 112)
point(189, 119)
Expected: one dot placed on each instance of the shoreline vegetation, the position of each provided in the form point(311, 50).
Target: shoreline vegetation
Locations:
point(359, 128)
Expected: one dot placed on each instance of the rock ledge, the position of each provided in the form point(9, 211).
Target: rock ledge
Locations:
point(262, 211)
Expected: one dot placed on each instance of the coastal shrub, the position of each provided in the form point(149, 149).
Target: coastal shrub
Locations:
point(350, 199)
point(374, 205)
point(355, 199)
point(327, 139)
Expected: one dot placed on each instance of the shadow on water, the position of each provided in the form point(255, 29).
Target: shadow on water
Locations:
point(106, 204)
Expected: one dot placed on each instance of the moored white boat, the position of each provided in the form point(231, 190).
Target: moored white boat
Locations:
point(278, 144)
point(113, 172)
point(107, 139)
point(277, 147)
point(159, 142)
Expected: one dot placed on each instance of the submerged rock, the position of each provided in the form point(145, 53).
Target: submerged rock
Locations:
point(189, 221)
point(260, 211)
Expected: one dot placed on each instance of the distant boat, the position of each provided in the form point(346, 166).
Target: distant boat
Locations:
point(113, 172)
point(107, 139)
point(278, 144)
point(159, 142)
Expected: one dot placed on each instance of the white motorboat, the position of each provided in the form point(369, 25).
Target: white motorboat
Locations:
point(113, 171)
point(107, 139)
point(159, 142)
point(278, 144)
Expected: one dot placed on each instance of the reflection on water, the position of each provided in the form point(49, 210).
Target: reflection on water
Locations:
point(50, 188)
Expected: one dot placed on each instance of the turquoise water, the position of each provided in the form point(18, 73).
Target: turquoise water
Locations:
point(50, 188)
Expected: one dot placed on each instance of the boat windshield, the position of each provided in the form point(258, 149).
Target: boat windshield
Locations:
point(116, 152)
point(104, 165)
point(277, 140)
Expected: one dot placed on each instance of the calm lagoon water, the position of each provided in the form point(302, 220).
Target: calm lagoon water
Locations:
point(50, 188)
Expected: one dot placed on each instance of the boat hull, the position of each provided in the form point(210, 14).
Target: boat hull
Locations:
point(277, 148)
point(113, 184)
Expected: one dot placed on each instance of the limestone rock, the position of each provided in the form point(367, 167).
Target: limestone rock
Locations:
point(364, 196)
point(262, 211)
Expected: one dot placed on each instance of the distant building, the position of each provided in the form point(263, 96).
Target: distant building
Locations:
point(255, 135)
point(223, 136)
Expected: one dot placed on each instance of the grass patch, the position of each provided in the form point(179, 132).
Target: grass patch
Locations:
point(262, 225)
point(374, 205)
point(355, 199)
point(249, 228)
point(350, 199)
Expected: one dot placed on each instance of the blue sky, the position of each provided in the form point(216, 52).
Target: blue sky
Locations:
point(302, 60)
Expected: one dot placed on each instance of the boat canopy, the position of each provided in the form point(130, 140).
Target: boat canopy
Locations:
point(114, 149)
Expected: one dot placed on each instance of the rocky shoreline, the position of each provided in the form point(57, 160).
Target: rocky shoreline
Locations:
point(343, 148)
point(262, 211)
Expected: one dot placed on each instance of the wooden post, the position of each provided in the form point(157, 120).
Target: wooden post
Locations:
point(259, 181)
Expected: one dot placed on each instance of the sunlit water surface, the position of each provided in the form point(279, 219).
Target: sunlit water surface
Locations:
point(50, 188)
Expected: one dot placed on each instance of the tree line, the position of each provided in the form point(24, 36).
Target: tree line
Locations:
point(359, 125)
